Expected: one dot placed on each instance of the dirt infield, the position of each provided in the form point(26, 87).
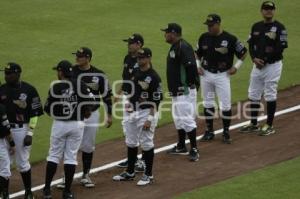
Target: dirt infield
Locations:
point(175, 174)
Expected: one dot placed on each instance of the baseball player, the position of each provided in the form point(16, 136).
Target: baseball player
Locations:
point(215, 53)
point(182, 81)
point(135, 43)
point(143, 116)
point(267, 41)
point(65, 105)
point(23, 107)
point(7, 148)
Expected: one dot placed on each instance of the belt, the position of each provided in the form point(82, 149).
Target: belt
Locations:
point(215, 71)
point(272, 61)
point(15, 126)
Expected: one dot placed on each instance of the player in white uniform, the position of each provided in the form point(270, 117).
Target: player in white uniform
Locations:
point(23, 107)
point(215, 50)
point(65, 105)
point(7, 148)
point(143, 117)
point(267, 41)
point(183, 83)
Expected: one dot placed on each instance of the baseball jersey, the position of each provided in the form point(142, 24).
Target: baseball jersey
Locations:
point(64, 101)
point(4, 123)
point(21, 101)
point(97, 81)
point(130, 67)
point(267, 41)
point(148, 90)
point(181, 68)
point(217, 52)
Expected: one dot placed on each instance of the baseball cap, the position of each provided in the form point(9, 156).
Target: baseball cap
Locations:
point(12, 68)
point(135, 38)
point(144, 52)
point(83, 52)
point(212, 19)
point(173, 27)
point(64, 66)
point(268, 5)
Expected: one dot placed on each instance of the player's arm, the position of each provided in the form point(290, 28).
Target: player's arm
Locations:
point(5, 130)
point(188, 60)
point(106, 94)
point(240, 52)
point(35, 111)
point(281, 40)
point(155, 97)
point(198, 55)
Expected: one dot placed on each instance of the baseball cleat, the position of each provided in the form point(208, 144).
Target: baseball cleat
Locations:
point(178, 151)
point(145, 180)
point(123, 164)
point(226, 138)
point(139, 166)
point(266, 130)
point(67, 195)
point(125, 176)
point(61, 185)
point(86, 181)
point(250, 128)
point(28, 195)
point(47, 193)
point(208, 136)
point(194, 155)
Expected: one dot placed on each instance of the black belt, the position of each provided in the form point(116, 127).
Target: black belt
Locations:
point(272, 61)
point(214, 70)
point(15, 126)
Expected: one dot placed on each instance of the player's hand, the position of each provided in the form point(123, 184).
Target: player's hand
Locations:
point(232, 71)
point(200, 71)
point(108, 121)
point(28, 140)
point(147, 125)
point(259, 63)
point(12, 150)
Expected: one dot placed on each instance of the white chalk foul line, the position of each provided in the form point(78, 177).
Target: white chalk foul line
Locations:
point(165, 148)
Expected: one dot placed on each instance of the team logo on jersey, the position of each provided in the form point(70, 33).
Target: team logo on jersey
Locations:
point(273, 29)
point(21, 102)
point(136, 65)
point(172, 54)
point(144, 85)
point(67, 92)
point(224, 43)
point(95, 79)
point(222, 50)
point(271, 35)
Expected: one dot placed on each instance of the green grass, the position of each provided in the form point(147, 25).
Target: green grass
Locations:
point(276, 182)
point(37, 34)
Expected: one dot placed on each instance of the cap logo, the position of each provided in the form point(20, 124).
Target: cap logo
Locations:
point(210, 18)
point(269, 4)
point(8, 66)
point(81, 50)
point(132, 37)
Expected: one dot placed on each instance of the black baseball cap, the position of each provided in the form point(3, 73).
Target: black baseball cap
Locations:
point(144, 52)
point(12, 68)
point(268, 5)
point(212, 19)
point(83, 52)
point(173, 27)
point(135, 38)
point(64, 66)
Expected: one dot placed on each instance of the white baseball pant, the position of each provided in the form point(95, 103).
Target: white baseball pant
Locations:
point(265, 82)
point(4, 159)
point(65, 141)
point(135, 135)
point(89, 134)
point(216, 83)
point(183, 112)
point(22, 153)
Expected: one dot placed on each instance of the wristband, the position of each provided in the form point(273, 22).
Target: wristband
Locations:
point(198, 63)
point(238, 64)
point(30, 133)
point(150, 118)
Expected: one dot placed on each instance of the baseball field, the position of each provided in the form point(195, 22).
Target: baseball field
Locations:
point(37, 34)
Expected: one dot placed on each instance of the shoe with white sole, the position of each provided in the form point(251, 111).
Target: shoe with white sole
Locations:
point(125, 176)
point(145, 180)
point(86, 181)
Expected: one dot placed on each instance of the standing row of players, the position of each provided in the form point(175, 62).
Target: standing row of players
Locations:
point(212, 60)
